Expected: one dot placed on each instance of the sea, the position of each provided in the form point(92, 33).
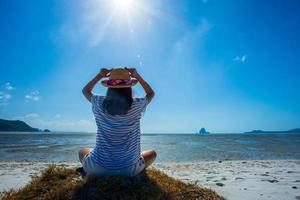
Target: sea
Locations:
point(63, 147)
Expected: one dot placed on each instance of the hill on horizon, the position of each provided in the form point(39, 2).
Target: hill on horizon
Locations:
point(17, 126)
point(297, 130)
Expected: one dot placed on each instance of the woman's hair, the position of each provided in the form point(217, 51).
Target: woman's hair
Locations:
point(117, 101)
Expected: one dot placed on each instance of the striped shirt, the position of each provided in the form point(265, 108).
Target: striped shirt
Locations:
point(118, 136)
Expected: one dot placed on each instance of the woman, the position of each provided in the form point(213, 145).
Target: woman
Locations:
point(117, 150)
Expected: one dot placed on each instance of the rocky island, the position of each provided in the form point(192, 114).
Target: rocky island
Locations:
point(203, 131)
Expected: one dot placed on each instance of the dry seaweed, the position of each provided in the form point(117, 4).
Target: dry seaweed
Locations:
point(63, 183)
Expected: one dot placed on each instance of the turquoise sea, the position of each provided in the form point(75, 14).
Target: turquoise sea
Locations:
point(63, 147)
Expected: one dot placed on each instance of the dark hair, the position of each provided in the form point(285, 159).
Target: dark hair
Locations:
point(118, 101)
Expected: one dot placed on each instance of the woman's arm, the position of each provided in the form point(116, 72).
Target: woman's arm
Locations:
point(149, 91)
point(87, 90)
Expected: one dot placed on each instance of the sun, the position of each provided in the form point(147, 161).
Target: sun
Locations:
point(124, 5)
point(117, 18)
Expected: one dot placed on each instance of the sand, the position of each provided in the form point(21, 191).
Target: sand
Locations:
point(235, 180)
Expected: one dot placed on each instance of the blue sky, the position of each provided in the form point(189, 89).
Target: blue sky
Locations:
point(228, 66)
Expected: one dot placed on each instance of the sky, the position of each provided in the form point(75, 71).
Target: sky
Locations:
point(229, 66)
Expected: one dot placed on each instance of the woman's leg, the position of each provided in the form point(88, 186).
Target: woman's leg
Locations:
point(83, 152)
point(149, 157)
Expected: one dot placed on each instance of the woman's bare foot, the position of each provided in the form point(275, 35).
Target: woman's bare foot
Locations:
point(149, 157)
point(83, 152)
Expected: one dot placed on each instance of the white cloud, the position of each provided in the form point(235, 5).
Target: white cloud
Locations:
point(8, 86)
point(240, 58)
point(4, 95)
point(32, 115)
point(4, 98)
point(34, 96)
point(57, 116)
point(57, 123)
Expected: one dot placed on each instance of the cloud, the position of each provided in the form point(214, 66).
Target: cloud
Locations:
point(34, 96)
point(32, 115)
point(57, 116)
point(4, 98)
point(4, 94)
point(8, 86)
point(57, 123)
point(240, 58)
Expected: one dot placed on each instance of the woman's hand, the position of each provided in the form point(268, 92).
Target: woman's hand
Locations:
point(87, 90)
point(133, 72)
point(145, 85)
point(104, 72)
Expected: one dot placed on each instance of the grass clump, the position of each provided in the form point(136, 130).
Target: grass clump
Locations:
point(61, 183)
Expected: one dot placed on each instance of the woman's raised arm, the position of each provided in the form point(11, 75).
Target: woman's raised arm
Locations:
point(87, 90)
point(149, 91)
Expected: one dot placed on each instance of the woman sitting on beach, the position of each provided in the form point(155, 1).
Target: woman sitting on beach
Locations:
point(118, 150)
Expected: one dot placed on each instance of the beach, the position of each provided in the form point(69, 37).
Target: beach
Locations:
point(236, 166)
point(234, 180)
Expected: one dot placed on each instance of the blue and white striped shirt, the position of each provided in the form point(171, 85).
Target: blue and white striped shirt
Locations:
point(118, 136)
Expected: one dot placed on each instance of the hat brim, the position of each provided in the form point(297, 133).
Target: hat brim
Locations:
point(133, 83)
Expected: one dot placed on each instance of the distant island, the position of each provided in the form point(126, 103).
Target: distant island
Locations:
point(262, 131)
point(18, 126)
point(203, 131)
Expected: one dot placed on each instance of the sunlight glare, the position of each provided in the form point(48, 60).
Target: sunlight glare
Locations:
point(124, 5)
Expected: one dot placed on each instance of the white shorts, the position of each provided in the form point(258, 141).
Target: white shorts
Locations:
point(90, 167)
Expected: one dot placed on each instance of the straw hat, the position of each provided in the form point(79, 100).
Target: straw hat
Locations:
point(119, 78)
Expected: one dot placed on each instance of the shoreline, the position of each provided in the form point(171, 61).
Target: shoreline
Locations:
point(244, 179)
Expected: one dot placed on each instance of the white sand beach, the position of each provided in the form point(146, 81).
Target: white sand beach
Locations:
point(235, 180)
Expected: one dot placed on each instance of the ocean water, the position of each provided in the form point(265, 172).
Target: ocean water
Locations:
point(63, 147)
